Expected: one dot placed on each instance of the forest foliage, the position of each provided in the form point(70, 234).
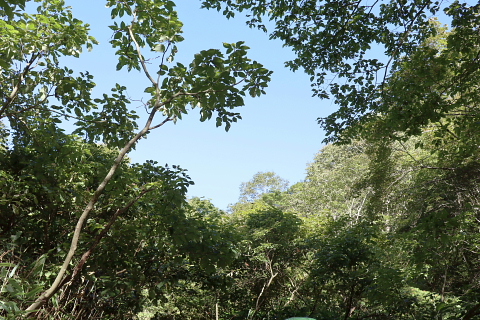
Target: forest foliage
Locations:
point(385, 225)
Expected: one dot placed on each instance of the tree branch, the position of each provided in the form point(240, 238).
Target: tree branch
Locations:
point(99, 237)
point(267, 285)
point(13, 95)
point(140, 57)
point(45, 296)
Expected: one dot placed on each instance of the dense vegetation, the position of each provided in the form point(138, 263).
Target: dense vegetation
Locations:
point(385, 225)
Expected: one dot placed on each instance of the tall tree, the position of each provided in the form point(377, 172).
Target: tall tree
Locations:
point(331, 184)
point(261, 183)
point(37, 92)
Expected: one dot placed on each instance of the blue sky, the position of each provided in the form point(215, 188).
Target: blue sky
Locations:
point(278, 132)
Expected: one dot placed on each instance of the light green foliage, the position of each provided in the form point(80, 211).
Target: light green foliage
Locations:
point(266, 187)
point(260, 184)
point(329, 187)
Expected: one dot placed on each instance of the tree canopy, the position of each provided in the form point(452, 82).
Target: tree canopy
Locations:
point(352, 51)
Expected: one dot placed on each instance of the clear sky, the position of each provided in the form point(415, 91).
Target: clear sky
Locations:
point(278, 132)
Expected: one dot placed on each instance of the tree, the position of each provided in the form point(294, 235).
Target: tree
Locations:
point(425, 170)
point(336, 40)
point(265, 187)
point(330, 187)
point(419, 102)
point(197, 286)
point(261, 184)
point(269, 257)
point(38, 92)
